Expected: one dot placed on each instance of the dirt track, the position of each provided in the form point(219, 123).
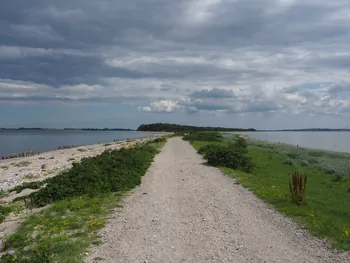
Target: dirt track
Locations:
point(185, 211)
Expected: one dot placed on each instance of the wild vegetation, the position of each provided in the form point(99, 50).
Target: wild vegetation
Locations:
point(297, 188)
point(323, 207)
point(168, 127)
point(80, 199)
point(112, 171)
point(203, 136)
point(22, 164)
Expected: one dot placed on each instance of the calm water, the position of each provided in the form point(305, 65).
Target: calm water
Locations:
point(334, 141)
point(21, 141)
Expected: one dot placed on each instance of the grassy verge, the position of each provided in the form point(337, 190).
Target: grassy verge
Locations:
point(326, 210)
point(64, 230)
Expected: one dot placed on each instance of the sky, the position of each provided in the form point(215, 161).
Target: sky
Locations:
point(265, 64)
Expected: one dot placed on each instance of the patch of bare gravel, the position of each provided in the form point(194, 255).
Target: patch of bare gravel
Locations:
point(185, 211)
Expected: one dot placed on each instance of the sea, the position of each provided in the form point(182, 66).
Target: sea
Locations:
point(333, 141)
point(18, 141)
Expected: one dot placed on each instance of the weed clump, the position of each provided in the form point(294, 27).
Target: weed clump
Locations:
point(22, 164)
point(289, 163)
point(4, 211)
point(30, 185)
point(204, 136)
point(297, 188)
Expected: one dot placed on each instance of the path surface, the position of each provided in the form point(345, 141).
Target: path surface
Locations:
point(185, 211)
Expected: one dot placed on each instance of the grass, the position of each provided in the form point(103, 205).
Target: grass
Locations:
point(3, 193)
point(63, 231)
point(22, 164)
point(4, 212)
point(30, 185)
point(5, 167)
point(81, 150)
point(326, 210)
point(107, 144)
point(49, 172)
point(31, 176)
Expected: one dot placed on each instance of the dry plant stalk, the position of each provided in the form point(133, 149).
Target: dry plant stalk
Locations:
point(297, 187)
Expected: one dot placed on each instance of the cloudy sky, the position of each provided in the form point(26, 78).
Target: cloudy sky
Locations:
point(113, 63)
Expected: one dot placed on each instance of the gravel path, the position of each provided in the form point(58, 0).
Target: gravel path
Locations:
point(185, 211)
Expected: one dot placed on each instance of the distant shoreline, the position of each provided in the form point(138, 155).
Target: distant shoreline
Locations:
point(306, 130)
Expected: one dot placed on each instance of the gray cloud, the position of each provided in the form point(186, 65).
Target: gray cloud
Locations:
point(213, 93)
point(339, 87)
point(245, 56)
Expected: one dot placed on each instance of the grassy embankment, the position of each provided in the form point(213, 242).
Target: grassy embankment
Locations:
point(80, 200)
point(326, 208)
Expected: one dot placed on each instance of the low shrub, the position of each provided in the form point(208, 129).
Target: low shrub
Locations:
point(30, 185)
point(338, 177)
point(231, 156)
point(239, 145)
point(4, 211)
point(204, 136)
point(160, 139)
point(289, 163)
point(292, 155)
point(206, 148)
point(112, 171)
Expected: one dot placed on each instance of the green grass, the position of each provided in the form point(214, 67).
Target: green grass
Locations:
point(5, 167)
point(326, 211)
point(29, 185)
point(203, 136)
point(4, 212)
point(22, 164)
point(107, 144)
point(81, 150)
point(63, 231)
point(3, 193)
point(31, 176)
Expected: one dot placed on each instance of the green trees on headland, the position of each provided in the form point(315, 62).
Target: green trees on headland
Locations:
point(168, 127)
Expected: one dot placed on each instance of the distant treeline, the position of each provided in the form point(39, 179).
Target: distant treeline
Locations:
point(167, 127)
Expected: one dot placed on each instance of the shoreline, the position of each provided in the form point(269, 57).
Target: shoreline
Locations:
point(16, 171)
point(34, 151)
point(248, 138)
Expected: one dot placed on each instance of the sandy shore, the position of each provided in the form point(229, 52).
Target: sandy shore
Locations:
point(48, 164)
